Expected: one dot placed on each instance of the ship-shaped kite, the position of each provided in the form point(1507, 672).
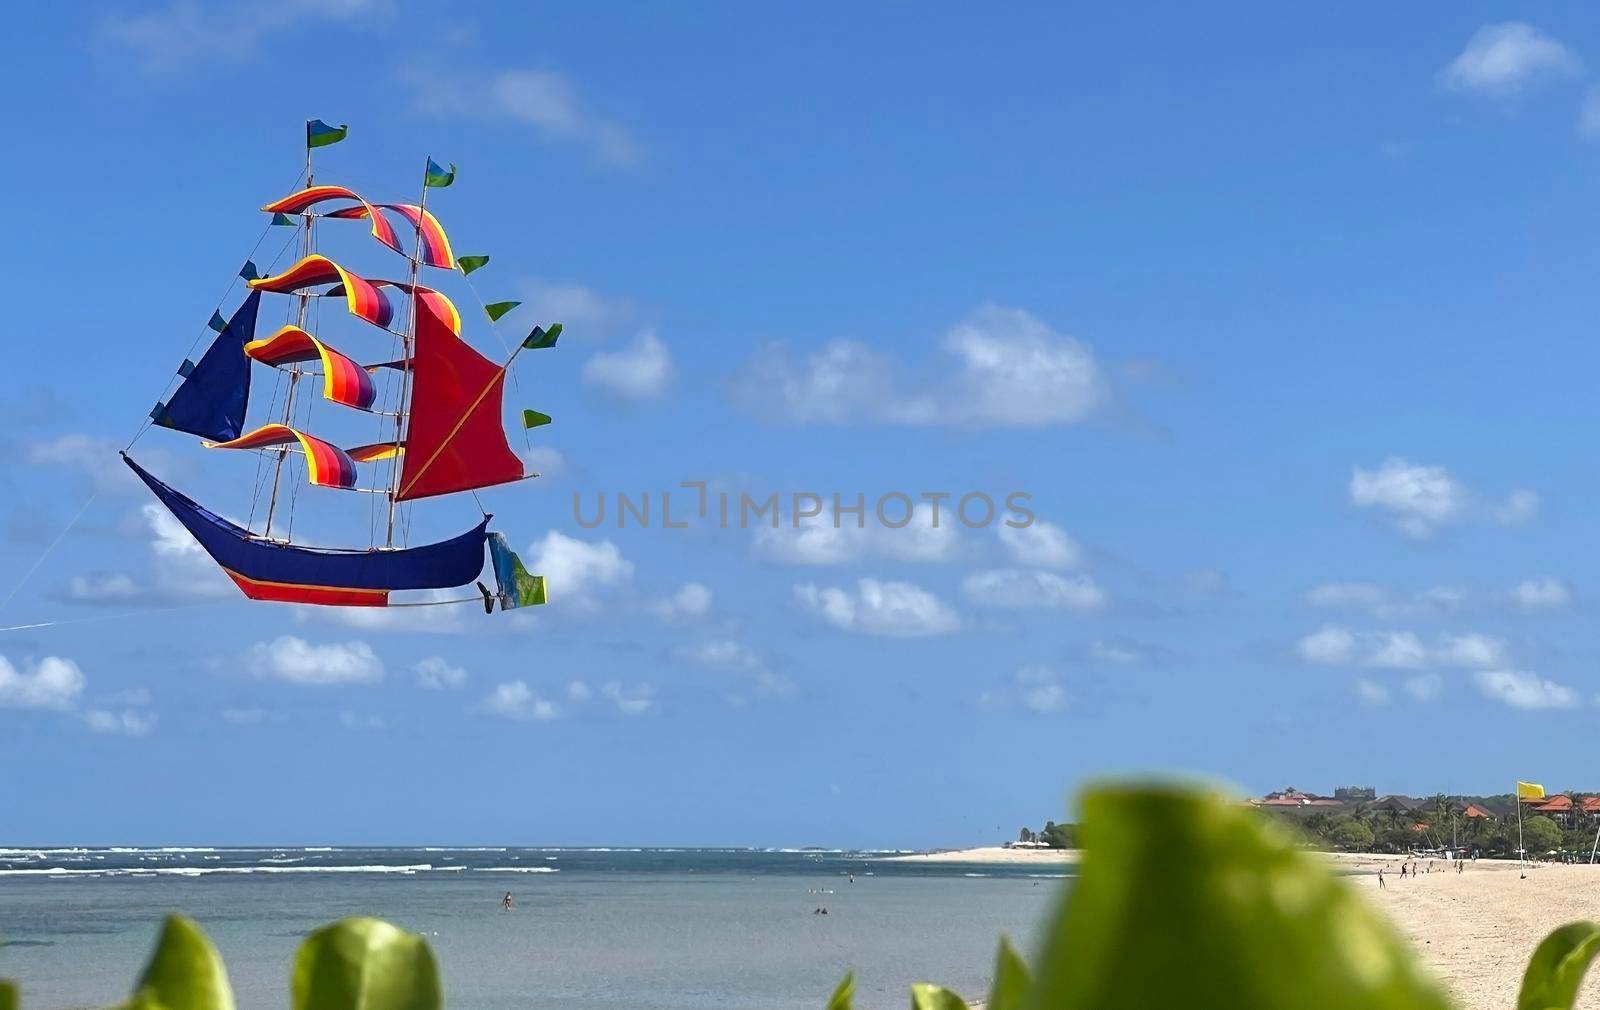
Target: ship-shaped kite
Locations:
point(436, 401)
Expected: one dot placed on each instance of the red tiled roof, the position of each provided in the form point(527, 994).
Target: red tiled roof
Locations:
point(1591, 804)
point(1555, 805)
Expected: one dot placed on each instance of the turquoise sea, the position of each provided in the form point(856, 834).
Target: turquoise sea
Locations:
point(592, 929)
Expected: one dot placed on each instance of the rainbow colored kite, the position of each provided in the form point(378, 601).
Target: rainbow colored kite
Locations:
point(436, 401)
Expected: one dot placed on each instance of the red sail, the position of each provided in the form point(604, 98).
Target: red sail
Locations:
point(456, 441)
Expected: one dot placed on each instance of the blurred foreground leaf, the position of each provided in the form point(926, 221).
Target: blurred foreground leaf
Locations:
point(185, 972)
point(1010, 984)
point(8, 995)
point(843, 997)
point(1556, 971)
point(927, 996)
point(1186, 900)
point(365, 964)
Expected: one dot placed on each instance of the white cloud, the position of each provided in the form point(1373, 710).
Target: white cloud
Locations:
point(1519, 507)
point(437, 673)
point(104, 587)
point(1425, 686)
point(1471, 650)
point(52, 683)
point(541, 99)
point(1021, 588)
point(355, 720)
point(1371, 693)
point(1332, 645)
point(629, 701)
point(1033, 687)
point(1503, 59)
point(728, 654)
point(1114, 652)
point(126, 722)
point(1542, 594)
point(840, 538)
point(579, 309)
point(579, 692)
point(578, 570)
point(690, 603)
point(1041, 545)
point(1384, 604)
point(515, 700)
point(94, 458)
point(180, 567)
point(186, 33)
point(1001, 368)
point(1525, 690)
point(299, 662)
point(893, 609)
point(641, 371)
point(1417, 498)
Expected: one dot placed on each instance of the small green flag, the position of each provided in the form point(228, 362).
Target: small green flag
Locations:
point(498, 309)
point(471, 263)
point(320, 134)
point(437, 176)
point(249, 272)
point(541, 338)
point(534, 419)
point(217, 322)
point(283, 221)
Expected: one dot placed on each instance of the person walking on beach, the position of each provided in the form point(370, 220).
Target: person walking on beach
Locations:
point(505, 902)
point(1381, 885)
point(1402, 871)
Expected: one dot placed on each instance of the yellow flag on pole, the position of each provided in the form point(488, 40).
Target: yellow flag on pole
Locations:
point(1530, 791)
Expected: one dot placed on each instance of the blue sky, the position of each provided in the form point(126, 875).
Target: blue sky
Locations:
point(1284, 324)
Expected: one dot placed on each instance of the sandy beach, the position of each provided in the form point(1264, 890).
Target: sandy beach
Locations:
point(1478, 929)
point(992, 854)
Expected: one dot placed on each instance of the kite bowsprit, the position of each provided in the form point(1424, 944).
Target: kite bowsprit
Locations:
point(437, 402)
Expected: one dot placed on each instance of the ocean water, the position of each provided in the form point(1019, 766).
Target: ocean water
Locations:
point(593, 929)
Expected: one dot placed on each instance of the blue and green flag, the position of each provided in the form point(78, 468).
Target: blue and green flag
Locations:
point(541, 338)
point(217, 322)
point(283, 221)
point(437, 176)
point(320, 134)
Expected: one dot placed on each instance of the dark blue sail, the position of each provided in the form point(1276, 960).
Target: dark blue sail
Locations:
point(268, 570)
point(212, 399)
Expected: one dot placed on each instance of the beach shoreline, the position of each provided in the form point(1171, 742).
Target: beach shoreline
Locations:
point(995, 855)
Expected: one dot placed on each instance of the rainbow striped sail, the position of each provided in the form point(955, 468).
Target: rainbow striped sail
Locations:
point(424, 420)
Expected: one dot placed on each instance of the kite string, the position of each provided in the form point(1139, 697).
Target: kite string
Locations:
point(107, 617)
point(46, 553)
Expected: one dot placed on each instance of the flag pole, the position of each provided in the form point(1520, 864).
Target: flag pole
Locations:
point(1522, 852)
point(306, 242)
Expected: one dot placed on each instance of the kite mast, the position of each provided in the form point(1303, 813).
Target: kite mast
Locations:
point(308, 221)
point(407, 342)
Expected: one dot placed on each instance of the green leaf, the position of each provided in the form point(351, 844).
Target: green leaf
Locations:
point(843, 997)
point(1184, 899)
point(365, 964)
point(185, 972)
point(927, 996)
point(8, 996)
point(1010, 984)
point(1556, 971)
